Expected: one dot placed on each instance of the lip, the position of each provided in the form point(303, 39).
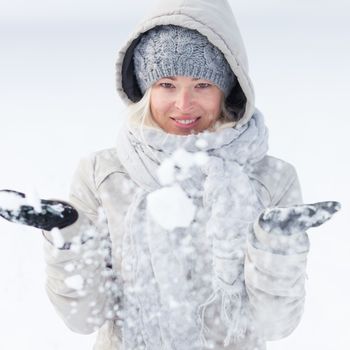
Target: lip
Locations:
point(185, 126)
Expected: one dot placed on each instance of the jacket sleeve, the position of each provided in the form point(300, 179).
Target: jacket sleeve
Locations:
point(275, 269)
point(80, 282)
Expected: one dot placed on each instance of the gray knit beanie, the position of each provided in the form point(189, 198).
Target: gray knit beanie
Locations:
point(170, 50)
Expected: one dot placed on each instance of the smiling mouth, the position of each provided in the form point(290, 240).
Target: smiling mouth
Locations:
point(186, 123)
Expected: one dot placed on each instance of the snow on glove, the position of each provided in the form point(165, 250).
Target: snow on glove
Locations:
point(14, 207)
point(299, 218)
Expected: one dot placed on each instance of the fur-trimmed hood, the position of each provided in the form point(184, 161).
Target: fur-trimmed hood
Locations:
point(215, 20)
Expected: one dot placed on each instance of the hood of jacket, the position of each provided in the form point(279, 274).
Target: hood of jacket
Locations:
point(213, 19)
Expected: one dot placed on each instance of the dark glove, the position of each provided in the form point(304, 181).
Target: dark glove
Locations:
point(298, 218)
point(53, 213)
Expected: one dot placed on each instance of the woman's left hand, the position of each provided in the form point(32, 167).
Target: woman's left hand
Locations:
point(298, 218)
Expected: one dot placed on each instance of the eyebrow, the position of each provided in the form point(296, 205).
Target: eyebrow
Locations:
point(174, 78)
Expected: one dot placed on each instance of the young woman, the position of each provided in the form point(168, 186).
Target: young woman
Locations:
point(187, 235)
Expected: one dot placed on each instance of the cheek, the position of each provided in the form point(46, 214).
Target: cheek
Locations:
point(158, 104)
point(218, 103)
point(213, 107)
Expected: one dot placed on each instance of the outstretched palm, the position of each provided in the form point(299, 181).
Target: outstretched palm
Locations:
point(298, 218)
point(14, 207)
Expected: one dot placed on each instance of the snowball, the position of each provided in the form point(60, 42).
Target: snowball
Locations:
point(11, 201)
point(178, 166)
point(201, 143)
point(170, 207)
point(183, 159)
point(165, 172)
point(56, 209)
point(200, 158)
point(33, 199)
point(69, 267)
point(75, 282)
point(57, 238)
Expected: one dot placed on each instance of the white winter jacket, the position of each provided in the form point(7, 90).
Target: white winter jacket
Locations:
point(275, 282)
point(79, 279)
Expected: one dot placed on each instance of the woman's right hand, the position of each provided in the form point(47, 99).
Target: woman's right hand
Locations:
point(48, 214)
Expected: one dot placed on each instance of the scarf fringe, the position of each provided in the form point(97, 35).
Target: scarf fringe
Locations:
point(204, 306)
point(231, 313)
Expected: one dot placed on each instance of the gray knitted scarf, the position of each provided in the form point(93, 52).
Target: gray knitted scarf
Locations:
point(184, 285)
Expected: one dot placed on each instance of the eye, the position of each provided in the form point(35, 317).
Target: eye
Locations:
point(166, 85)
point(203, 85)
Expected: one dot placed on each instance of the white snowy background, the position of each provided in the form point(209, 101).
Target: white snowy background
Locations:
point(58, 103)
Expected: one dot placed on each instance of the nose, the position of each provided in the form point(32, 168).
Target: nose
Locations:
point(184, 100)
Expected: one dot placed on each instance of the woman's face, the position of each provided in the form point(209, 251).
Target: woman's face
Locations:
point(184, 105)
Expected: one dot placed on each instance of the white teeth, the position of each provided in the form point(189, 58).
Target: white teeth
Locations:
point(187, 121)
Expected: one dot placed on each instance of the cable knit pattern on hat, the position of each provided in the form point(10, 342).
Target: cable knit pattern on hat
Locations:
point(176, 51)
